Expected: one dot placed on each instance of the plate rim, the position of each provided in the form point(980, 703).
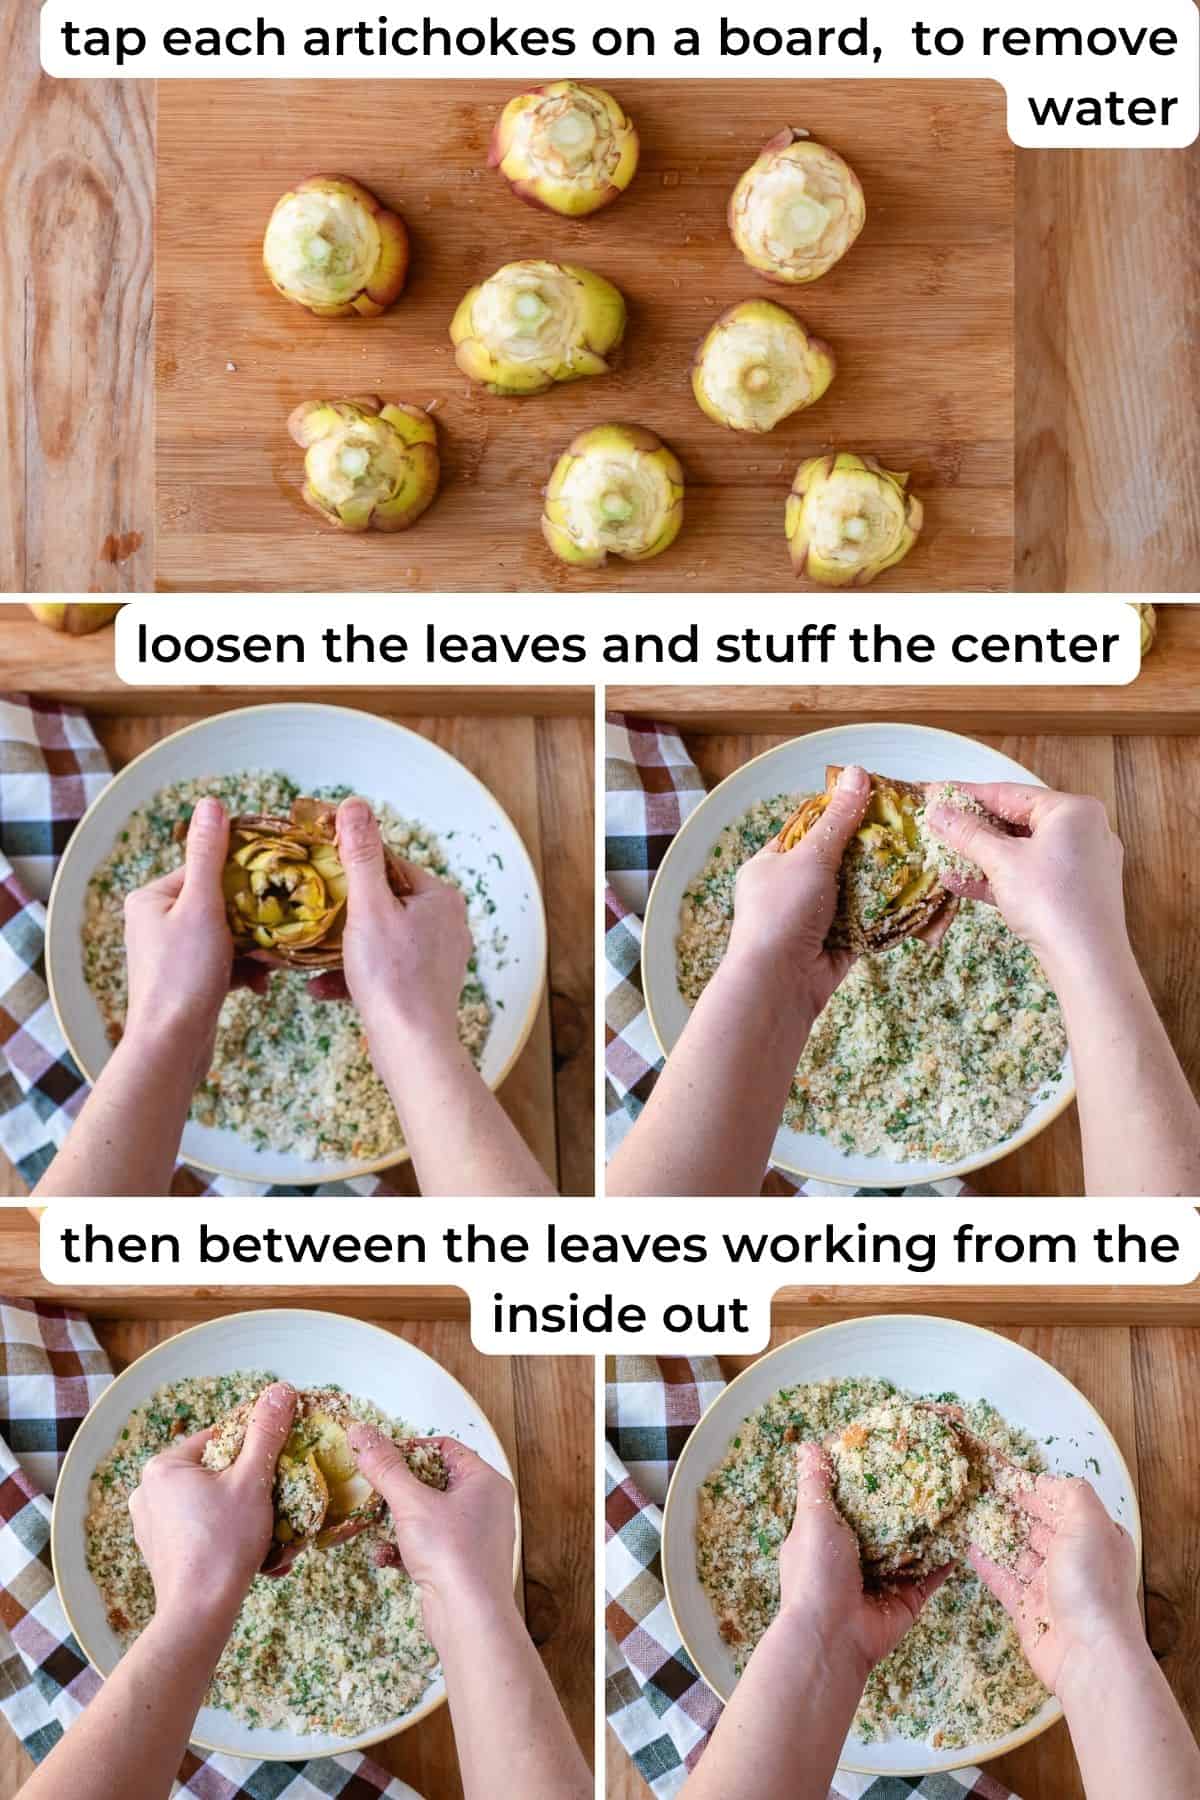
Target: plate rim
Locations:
point(980, 1159)
point(355, 1171)
point(425, 1708)
point(1054, 1710)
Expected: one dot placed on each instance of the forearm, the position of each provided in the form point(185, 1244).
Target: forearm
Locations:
point(1139, 1120)
point(781, 1734)
point(709, 1125)
point(131, 1739)
point(1127, 1729)
point(509, 1728)
point(462, 1141)
point(126, 1139)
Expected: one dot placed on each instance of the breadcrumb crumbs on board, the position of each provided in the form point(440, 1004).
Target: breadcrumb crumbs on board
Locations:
point(289, 1073)
point(336, 1646)
point(922, 1053)
point(958, 1676)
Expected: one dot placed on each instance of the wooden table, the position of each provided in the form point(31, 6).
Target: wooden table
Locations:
point(543, 1410)
point(539, 768)
point(1141, 1380)
point(1108, 348)
point(1102, 741)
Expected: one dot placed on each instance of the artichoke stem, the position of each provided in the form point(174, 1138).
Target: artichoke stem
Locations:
point(855, 530)
point(318, 249)
point(757, 377)
point(354, 461)
point(616, 506)
point(806, 221)
point(530, 308)
point(572, 131)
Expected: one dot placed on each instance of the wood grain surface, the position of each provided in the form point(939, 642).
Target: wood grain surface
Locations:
point(540, 770)
point(1107, 338)
point(542, 1408)
point(1139, 1380)
point(1147, 784)
point(920, 314)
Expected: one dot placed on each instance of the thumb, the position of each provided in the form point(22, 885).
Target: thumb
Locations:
point(842, 817)
point(384, 1465)
point(266, 1434)
point(207, 849)
point(814, 1478)
point(360, 847)
point(981, 842)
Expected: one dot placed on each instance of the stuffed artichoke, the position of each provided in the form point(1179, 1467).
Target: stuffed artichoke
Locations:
point(848, 519)
point(367, 465)
point(319, 1498)
point(797, 209)
point(532, 324)
point(616, 490)
point(758, 365)
point(565, 146)
point(333, 248)
point(285, 887)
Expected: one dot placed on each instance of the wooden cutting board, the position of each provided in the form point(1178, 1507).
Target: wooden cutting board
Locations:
point(1140, 1381)
point(920, 312)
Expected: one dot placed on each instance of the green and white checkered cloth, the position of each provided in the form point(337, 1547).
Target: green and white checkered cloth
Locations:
point(660, 1710)
point(51, 1370)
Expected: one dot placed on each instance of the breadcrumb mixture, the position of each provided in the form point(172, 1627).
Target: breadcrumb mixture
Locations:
point(959, 1675)
point(899, 1471)
point(289, 1073)
point(921, 1054)
point(338, 1645)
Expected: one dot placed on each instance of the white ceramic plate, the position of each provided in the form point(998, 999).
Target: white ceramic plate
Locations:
point(309, 1349)
point(924, 1355)
point(909, 752)
point(318, 746)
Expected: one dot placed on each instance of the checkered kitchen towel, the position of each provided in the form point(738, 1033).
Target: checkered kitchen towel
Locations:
point(51, 1370)
point(659, 1709)
point(51, 769)
point(651, 786)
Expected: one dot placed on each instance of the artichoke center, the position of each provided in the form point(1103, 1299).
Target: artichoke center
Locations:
point(318, 249)
point(616, 506)
point(573, 133)
point(354, 461)
point(855, 529)
point(757, 377)
point(805, 220)
point(529, 309)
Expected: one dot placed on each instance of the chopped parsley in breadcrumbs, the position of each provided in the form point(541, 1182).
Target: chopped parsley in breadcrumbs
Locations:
point(958, 1675)
point(338, 1645)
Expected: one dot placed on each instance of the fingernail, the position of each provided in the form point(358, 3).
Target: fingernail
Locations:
point(354, 812)
point(360, 1437)
point(851, 777)
point(279, 1395)
point(207, 811)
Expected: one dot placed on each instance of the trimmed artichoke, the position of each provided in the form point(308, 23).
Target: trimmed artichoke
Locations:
point(1148, 618)
point(319, 1498)
point(797, 209)
point(285, 887)
point(534, 323)
point(367, 465)
point(616, 489)
point(849, 519)
point(76, 617)
point(566, 146)
point(758, 365)
point(333, 248)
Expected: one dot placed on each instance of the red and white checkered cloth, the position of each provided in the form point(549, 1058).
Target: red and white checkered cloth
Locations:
point(51, 769)
point(660, 1710)
point(51, 1371)
point(651, 786)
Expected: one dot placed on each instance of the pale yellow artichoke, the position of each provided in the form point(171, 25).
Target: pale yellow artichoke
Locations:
point(758, 365)
point(367, 466)
point(797, 209)
point(566, 146)
point(848, 519)
point(331, 247)
point(533, 324)
point(75, 617)
point(617, 490)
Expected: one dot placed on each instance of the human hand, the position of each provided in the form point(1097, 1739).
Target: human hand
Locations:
point(202, 1532)
point(456, 1543)
point(1058, 884)
point(1075, 1586)
point(405, 961)
point(783, 904)
point(179, 949)
point(820, 1575)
